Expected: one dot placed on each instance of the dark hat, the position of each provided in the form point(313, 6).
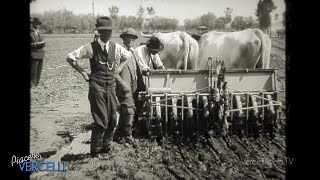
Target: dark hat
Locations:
point(35, 20)
point(129, 32)
point(154, 44)
point(104, 23)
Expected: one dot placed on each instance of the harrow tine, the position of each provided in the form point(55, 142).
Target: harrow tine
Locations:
point(239, 114)
point(247, 114)
point(231, 113)
point(198, 117)
point(239, 105)
point(189, 101)
point(158, 116)
point(206, 111)
point(158, 108)
point(174, 108)
point(225, 106)
point(254, 115)
point(253, 103)
point(166, 115)
point(270, 102)
point(189, 120)
point(271, 114)
point(151, 107)
point(262, 102)
point(174, 114)
point(182, 114)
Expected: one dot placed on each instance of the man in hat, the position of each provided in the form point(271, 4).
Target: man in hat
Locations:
point(132, 75)
point(148, 57)
point(37, 51)
point(107, 58)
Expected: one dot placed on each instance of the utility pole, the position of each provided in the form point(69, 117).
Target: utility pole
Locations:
point(96, 34)
point(93, 8)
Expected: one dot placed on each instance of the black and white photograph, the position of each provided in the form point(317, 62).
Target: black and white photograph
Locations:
point(157, 89)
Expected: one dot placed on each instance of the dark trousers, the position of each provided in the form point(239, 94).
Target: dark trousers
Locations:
point(125, 122)
point(127, 111)
point(128, 107)
point(103, 104)
point(36, 67)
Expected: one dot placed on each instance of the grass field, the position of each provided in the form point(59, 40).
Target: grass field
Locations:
point(60, 103)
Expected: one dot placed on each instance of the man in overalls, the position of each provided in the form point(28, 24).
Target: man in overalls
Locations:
point(105, 58)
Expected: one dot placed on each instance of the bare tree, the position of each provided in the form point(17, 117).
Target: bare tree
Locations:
point(140, 15)
point(228, 15)
point(140, 12)
point(265, 7)
point(114, 10)
point(149, 20)
point(150, 11)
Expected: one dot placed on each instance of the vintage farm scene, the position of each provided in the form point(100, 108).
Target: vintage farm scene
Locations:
point(135, 90)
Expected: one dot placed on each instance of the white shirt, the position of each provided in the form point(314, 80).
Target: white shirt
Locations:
point(144, 58)
point(36, 31)
point(85, 51)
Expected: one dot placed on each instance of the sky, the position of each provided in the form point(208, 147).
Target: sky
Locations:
point(179, 9)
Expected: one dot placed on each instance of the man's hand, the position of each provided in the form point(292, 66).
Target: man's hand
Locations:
point(117, 71)
point(38, 44)
point(162, 67)
point(41, 44)
point(122, 84)
point(145, 72)
point(35, 44)
point(85, 76)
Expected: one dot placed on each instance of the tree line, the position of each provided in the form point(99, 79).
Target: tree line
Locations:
point(64, 21)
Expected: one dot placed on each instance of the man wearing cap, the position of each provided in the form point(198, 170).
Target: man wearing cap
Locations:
point(37, 51)
point(107, 58)
point(132, 75)
point(148, 57)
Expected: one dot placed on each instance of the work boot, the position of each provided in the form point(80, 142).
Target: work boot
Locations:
point(103, 153)
point(89, 127)
point(105, 149)
point(130, 140)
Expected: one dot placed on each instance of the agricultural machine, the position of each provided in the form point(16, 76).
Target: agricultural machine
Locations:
point(226, 102)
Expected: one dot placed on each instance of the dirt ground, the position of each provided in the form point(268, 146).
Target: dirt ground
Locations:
point(60, 105)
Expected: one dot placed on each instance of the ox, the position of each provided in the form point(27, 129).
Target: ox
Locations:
point(180, 50)
point(247, 49)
